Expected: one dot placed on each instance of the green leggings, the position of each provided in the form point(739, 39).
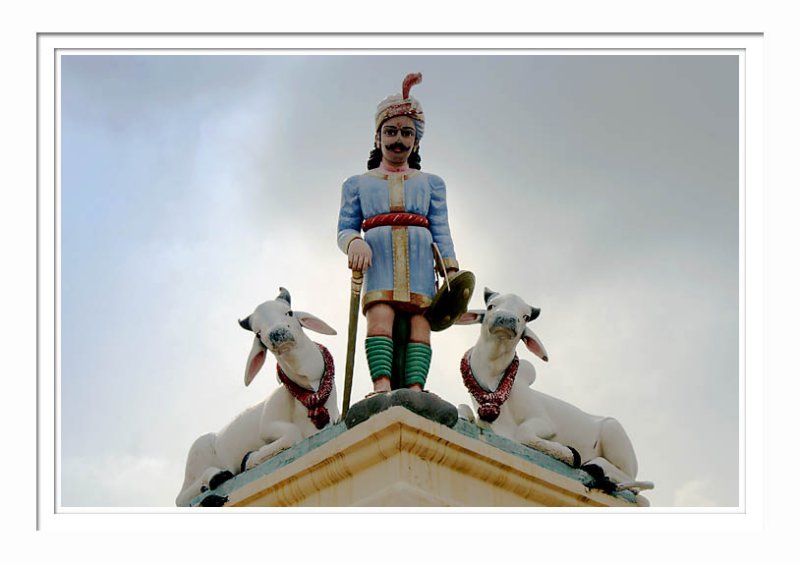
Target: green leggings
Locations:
point(380, 352)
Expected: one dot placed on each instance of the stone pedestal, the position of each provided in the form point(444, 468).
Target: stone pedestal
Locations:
point(397, 458)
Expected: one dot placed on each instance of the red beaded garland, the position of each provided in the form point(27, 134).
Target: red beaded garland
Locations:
point(489, 402)
point(313, 401)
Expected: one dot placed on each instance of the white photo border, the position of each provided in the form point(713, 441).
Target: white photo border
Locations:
point(748, 517)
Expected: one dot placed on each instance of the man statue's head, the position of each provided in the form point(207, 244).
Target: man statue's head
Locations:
point(399, 126)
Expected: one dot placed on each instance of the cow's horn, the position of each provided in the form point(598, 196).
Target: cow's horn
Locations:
point(284, 295)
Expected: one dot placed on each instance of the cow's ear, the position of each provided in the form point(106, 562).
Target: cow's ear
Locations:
point(533, 344)
point(488, 295)
point(314, 323)
point(471, 317)
point(258, 354)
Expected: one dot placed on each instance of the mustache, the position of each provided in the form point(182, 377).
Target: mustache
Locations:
point(397, 145)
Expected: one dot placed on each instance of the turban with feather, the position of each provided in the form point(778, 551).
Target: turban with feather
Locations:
point(402, 105)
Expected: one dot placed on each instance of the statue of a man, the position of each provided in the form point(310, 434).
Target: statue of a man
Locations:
point(402, 212)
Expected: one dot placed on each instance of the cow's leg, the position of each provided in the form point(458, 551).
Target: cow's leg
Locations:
point(465, 412)
point(535, 433)
point(200, 469)
point(612, 478)
point(615, 466)
point(615, 447)
point(607, 475)
point(279, 436)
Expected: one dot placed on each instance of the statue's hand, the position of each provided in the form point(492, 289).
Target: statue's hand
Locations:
point(359, 255)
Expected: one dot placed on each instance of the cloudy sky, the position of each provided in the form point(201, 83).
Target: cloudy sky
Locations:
point(602, 189)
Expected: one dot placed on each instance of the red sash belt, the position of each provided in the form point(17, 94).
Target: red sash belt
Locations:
point(399, 218)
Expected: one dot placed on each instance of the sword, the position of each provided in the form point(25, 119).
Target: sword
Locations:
point(355, 297)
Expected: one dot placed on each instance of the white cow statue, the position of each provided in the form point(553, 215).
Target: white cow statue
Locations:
point(304, 404)
point(499, 384)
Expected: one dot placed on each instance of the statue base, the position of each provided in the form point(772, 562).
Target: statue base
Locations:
point(397, 458)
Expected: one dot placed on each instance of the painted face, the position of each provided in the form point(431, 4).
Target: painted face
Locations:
point(397, 137)
point(506, 315)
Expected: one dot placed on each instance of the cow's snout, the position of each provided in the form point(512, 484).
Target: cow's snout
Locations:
point(280, 338)
point(504, 325)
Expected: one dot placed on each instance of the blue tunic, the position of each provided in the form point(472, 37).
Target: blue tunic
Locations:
point(402, 271)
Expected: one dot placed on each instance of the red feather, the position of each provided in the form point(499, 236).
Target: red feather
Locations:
point(409, 81)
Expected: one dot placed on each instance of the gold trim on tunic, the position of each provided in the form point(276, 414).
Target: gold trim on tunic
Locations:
point(401, 293)
point(402, 277)
point(397, 203)
point(397, 193)
point(376, 296)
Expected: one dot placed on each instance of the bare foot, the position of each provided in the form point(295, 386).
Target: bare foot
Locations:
point(380, 386)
